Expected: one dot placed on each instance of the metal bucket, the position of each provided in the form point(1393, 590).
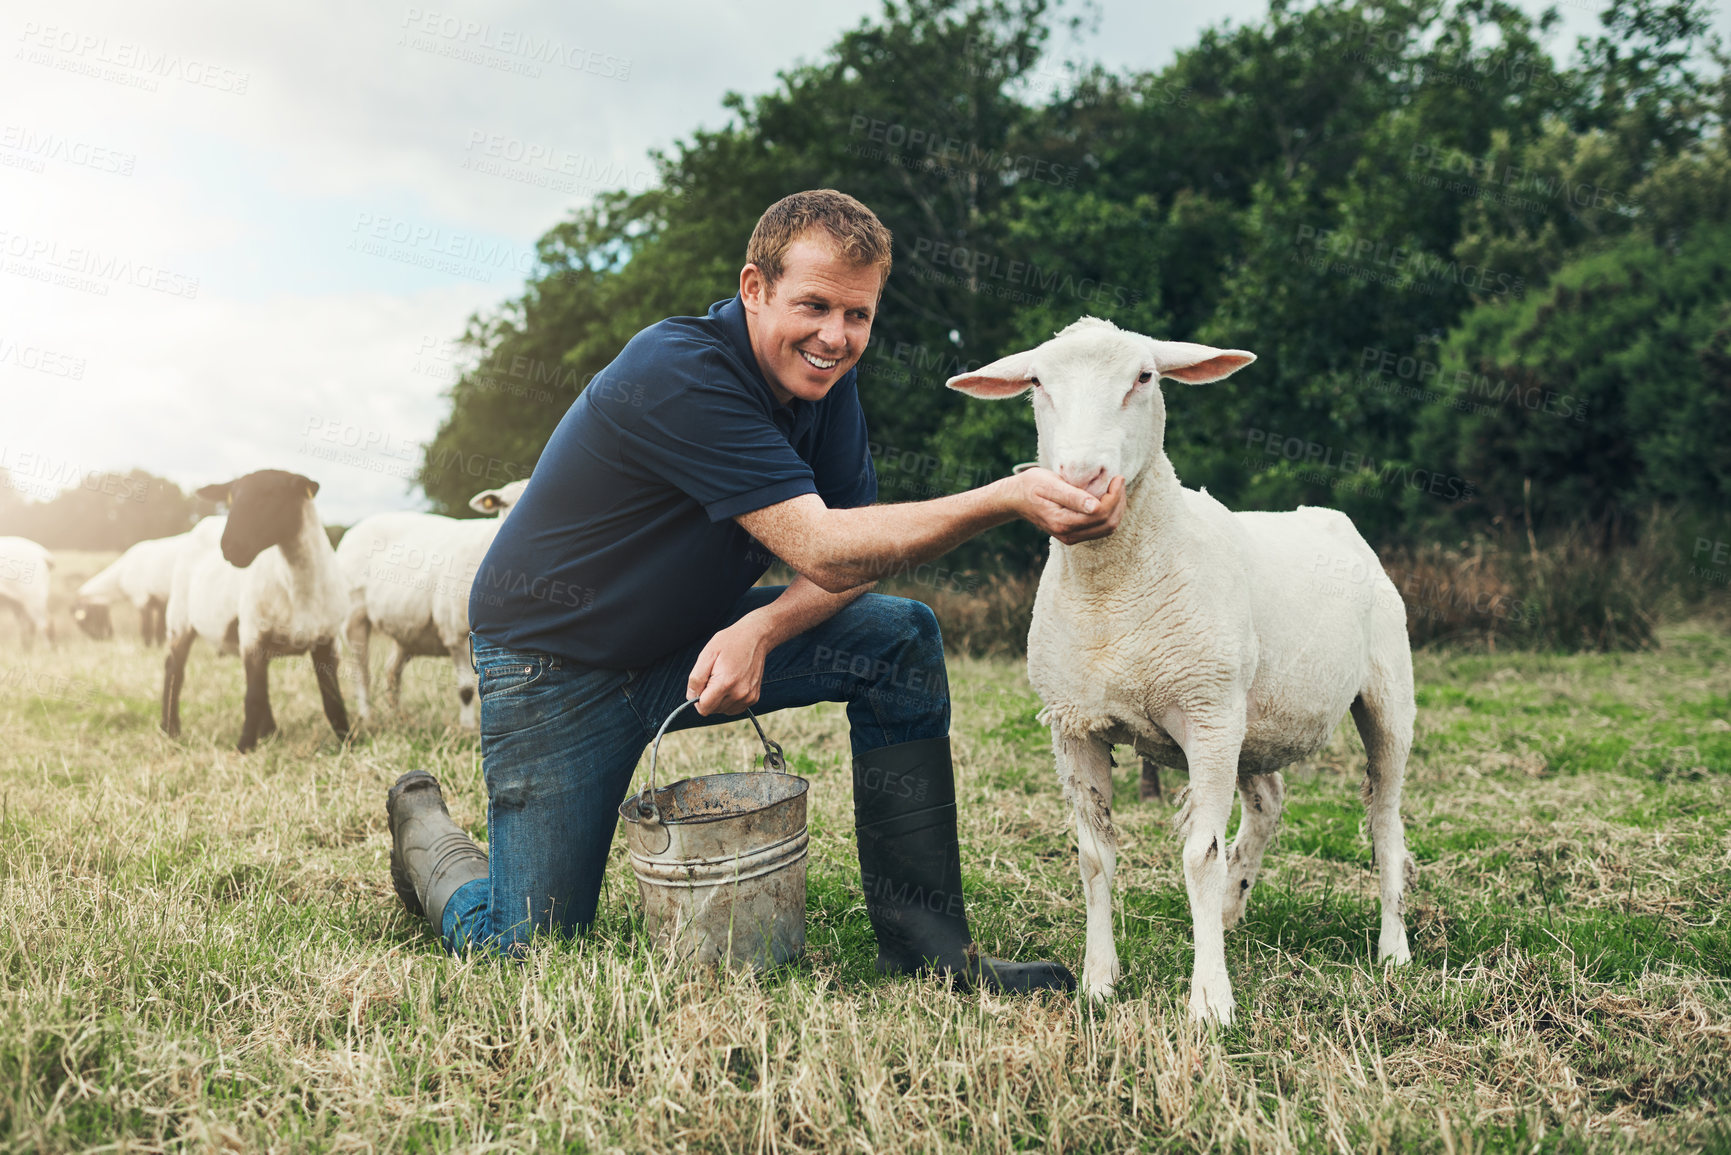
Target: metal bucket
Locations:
point(720, 861)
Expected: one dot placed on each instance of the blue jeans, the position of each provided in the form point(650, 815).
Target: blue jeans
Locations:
point(560, 740)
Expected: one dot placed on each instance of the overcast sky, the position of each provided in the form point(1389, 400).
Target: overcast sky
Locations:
point(236, 238)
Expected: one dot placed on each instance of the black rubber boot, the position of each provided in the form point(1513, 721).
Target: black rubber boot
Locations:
point(904, 806)
point(430, 855)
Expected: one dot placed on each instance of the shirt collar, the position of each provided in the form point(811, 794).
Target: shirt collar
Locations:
point(731, 314)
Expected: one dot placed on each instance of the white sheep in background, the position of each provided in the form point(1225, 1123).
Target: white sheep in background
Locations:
point(203, 599)
point(26, 572)
point(1218, 642)
point(144, 576)
point(409, 576)
point(275, 578)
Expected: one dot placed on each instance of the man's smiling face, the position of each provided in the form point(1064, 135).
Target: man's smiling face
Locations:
point(812, 327)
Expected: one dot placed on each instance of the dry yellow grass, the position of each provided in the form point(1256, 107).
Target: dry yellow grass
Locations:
point(200, 949)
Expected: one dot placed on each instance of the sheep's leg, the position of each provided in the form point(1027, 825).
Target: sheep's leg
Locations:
point(173, 675)
point(1261, 797)
point(1085, 773)
point(359, 629)
point(325, 670)
point(256, 662)
point(26, 626)
point(1149, 788)
point(1212, 755)
point(1387, 744)
point(465, 681)
point(394, 677)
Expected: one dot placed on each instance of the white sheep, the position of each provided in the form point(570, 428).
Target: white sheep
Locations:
point(1228, 644)
point(144, 576)
point(275, 578)
point(26, 572)
point(408, 576)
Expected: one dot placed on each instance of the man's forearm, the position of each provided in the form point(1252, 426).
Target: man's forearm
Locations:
point(843, 548)
point(802, 605)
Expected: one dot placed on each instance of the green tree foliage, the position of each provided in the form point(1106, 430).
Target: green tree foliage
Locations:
point(1338, 187)
point(1602, 395)
point(912, 115)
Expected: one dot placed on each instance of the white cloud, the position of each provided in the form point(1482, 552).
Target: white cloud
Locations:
point(230, 156)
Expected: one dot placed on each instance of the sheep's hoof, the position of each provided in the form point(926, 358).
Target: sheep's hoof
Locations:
point(1211, 1010)
point(1096, 990)
point(1394, 954)
point(1233, 911)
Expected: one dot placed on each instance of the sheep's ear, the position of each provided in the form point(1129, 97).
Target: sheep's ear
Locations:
point(218, 494)
point(1197, 364)
point(486, 502)
point(1005, 377)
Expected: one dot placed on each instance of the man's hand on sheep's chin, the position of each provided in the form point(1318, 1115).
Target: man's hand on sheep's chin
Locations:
point(1065, 512)
point(728, 675)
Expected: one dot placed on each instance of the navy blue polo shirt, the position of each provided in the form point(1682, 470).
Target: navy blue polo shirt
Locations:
point(623, 549)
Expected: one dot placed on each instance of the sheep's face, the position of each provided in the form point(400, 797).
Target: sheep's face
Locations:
point(94, 619)
point(265, 508)
point(1097, 402)
point(498, 501)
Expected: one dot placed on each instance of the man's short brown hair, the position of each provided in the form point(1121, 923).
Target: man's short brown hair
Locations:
point(854, 231)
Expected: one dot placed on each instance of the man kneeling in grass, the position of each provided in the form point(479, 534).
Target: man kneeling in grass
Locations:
point(621, 586)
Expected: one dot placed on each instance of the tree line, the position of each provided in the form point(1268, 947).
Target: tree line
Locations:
point(1485, 288)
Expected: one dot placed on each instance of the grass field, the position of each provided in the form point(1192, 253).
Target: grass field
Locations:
point(200, 949)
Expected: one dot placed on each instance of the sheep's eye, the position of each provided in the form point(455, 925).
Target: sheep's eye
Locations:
point(1035, 381)
point(1147, 376)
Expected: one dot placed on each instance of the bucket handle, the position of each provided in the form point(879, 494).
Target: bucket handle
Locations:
point(648, 812)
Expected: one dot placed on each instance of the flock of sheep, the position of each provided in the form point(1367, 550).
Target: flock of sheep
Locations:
point(264, 581)
point(1224, 644)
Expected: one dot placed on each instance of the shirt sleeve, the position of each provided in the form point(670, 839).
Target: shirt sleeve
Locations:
point(717, 445)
